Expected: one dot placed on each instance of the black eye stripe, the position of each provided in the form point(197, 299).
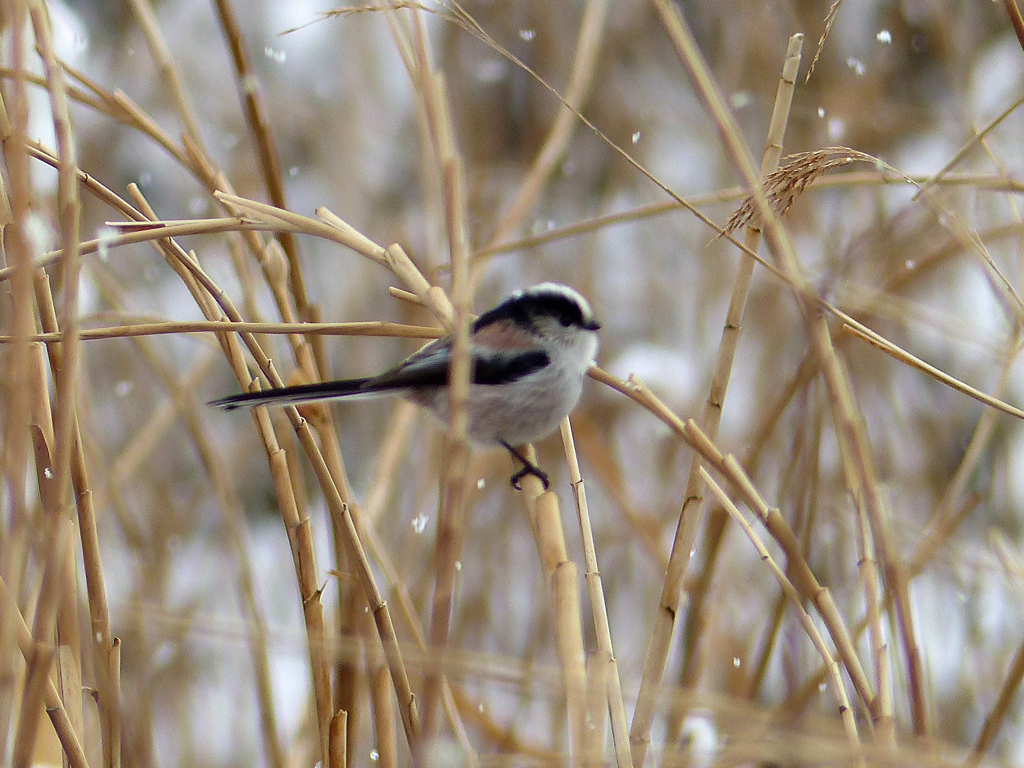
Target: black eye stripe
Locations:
point(528, 308)
point(563, 309)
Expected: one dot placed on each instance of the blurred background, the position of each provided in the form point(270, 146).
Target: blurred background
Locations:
point(908, 82)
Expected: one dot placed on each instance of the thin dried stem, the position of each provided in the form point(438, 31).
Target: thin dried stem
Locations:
point(795, 599)
point(266, 147)
point(562, 578)
point(609, 672)
point(580, 81)
point(690, 514)
point(160, 328)
point(450, 530)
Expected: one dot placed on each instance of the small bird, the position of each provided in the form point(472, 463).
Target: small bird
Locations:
point(530, 354)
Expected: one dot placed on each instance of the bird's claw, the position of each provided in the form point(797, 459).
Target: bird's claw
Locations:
point(529, 469)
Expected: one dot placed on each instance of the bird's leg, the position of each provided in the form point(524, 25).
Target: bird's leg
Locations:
point(529, 468)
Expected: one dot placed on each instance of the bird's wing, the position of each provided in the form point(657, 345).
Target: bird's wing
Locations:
point(426, 367)
point(429, 367)
point(504, 368)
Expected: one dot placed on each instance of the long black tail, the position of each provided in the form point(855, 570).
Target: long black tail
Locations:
point(303, 393)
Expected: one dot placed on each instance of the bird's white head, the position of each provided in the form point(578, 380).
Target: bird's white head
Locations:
point(556, 316)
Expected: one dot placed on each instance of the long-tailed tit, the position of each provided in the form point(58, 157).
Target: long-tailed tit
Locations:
point(529, 357)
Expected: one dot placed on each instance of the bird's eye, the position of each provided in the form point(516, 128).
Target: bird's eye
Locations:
point(562, 309)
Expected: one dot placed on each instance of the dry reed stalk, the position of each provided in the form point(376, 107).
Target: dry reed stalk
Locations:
point(275, 270)
point(565, 599)
point(809, 366)
point(799, 699)
point(858, 464)
point(561, 576)
point(141, 328)
point(166, 67)
point(987, 182)
point(133, 232)
point(795, 598)
point(868, 570)
point(1016, 20)
point(408, 613)
point(401, 263)
point(386, 631)
point(263, 136)
point(130, 113)
point(59, 717)
point(56, 539)
point(194, 157)
point(974, 141)
point(17, 441)
point(456, 701)
point(597, 705)
point(800, 572)
point(114, 734)
point(466, 21)
point(68, 214)
point(350, 675)
point(205, 292)
point(995, 718)
point(38, 664)
point(431, 296)
point(660, 639)
point(341, 512)
point(580, 82)
point(393, 448)
point(945, 520)
point(330, 227)
point(68, 667)
point(903, 356)
point(714, 405)
point(803, 485)
point(108, 697)
point(350, 603)
point(450, 528)
point(69, 677)
point(142, 230)
point(68, 646)
point(312, 607)
point(337, 756)
point(395, 258)
point(383, 716)
point(808, 478)
point(234, 524)
point(317, 415)
point(607, 678)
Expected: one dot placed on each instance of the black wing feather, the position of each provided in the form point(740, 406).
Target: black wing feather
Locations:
point(429, 367)
point(505, 368)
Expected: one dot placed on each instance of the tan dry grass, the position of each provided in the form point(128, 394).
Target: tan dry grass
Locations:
point(457, 648)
